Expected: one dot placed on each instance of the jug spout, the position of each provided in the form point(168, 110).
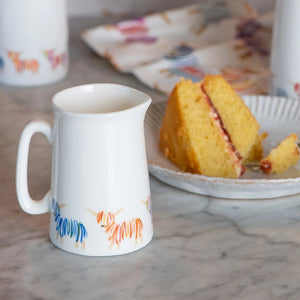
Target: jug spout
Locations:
point(137, 103)
point(139, 100)
point(145, 105)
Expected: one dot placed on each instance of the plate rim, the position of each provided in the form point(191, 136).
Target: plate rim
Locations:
point(212, 179)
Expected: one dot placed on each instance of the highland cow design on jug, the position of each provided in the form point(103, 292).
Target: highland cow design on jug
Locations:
point(297, 88)
point(68, 227)
point(148, 205)
point(56, 60)
point(117, 232)
point(1, 63)
point(294, 89)
point(20, 65)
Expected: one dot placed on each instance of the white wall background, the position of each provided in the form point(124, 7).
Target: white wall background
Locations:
point(137, 7)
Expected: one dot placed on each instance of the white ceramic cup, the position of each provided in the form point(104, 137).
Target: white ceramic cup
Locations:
point(100, 197)
point(285, 58)
point(33, 41)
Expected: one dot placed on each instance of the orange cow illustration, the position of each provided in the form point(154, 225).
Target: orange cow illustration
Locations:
point(23, 65)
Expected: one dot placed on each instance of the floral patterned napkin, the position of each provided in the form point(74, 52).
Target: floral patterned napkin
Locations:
point(227, 37)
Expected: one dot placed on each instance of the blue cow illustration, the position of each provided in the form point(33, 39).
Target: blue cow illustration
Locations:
point(1, 63)
point(68, 227)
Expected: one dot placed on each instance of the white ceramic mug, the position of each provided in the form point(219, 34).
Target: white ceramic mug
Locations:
point(285, 58)
point(33, 41)
point(100, 197)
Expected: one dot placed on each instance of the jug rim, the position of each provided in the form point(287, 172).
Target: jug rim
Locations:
point(145, 100)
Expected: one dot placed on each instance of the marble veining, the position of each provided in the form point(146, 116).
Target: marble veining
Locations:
point(203, 248)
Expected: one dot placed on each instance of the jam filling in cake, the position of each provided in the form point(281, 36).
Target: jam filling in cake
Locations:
point(237, 158)
point(266, 166)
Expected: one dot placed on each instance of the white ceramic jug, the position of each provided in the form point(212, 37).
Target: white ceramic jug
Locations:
point(33, 41)
point(100, 195)
point(285, 55)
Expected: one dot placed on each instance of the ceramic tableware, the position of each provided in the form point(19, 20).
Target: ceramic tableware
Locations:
point(278, 116)
point(285, 59)
point(100, 198)
point(33, 41)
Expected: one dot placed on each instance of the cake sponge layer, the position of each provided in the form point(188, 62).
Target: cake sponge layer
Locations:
point(192, 135)
point(284, 156)
point(238, 120)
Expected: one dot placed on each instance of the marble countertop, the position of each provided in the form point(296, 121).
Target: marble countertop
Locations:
point(203, 248)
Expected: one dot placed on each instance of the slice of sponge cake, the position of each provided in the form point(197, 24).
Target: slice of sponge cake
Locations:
point(284, 156)
point(193, 137)
point(207, 128)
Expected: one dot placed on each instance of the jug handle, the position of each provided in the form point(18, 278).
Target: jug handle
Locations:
point(26, 202)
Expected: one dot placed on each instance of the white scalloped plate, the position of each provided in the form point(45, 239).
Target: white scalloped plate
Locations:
point(278, 116)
